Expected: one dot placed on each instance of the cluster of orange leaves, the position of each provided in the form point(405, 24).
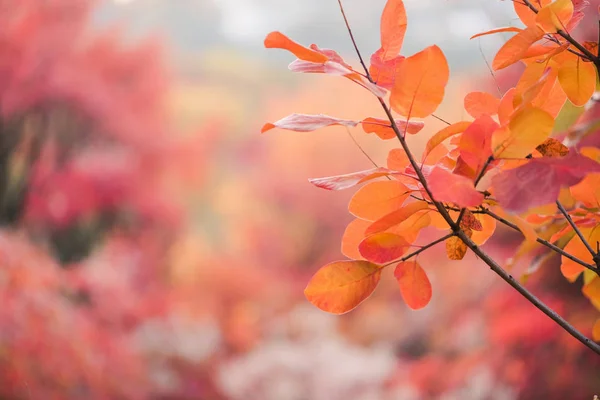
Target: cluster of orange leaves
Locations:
point(509, 159)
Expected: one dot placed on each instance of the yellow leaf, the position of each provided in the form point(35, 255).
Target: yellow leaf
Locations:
point(577, 79)
point(555, 16)
point(341, 286)
point(528, 128)
point(456, 248)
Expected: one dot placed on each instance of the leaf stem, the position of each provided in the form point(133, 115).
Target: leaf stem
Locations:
point(477, 180)
point(422, 249)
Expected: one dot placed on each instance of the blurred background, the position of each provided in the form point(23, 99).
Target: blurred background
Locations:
point(154, 245)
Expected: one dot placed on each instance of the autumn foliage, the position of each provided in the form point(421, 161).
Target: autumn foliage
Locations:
point(528, 160)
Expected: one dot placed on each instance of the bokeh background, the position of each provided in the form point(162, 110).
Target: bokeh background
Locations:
point(154, 245)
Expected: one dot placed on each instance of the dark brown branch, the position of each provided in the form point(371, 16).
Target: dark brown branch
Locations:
point(456, 230)
point(576, 229)
point(570, 39)
point(527, 294)
point(541, 241)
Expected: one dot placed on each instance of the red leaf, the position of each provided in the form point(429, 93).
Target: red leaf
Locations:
point(476, 142)
point(382, 128)
point(340, 182)
point(414, 284)
point(306, 122)
point(448, 187)
point(539, 181)
point(383, 247)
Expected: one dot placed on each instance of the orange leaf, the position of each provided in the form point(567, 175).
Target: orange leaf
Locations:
point(397, 160)
point(383, 247)
point(280, 41)
point(552, 148)
point(592, 289)
point(506, 108)
point(341, 286)
point(444, 134)
point(577, 78)
point(353, 235)
point(588, 191)
point(395, 217)
point(516, 47)
point(340, 182)
point(476, 142)
point(384, 72)
point(382, 128)
point(393, 28)
point(448, 187)
point(497, 30)
point(570, 269)
point(415, 287)
point(479, 103)
point(596, 331)
point(526, 15)
point(410, 228)
point(456, 248)
point(555, 16)
point(420, 83)
point(377, 199)
point(488, 227)
point(528, 128)
point(306, 123)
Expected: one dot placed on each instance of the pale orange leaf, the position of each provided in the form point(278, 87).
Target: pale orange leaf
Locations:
point(341, 286)
point(415, 287)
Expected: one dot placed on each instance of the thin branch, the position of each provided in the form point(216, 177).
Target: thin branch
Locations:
point(490, 69)
point(476, 182)
point(576, 229)
point(456, 230)
point(528, 295)
point(569, 38)
point(422, 249)
point(541, 241)
point(441, 119)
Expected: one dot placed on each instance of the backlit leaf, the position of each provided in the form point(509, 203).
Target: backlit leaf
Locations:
point(570, 269)
point(420, 83)
point(526, 15)
point(306, 122)
point(383, 247)
point(382, 128)
point(456, 248)
point(384, 72)
point(577, 78)
point(516, 47)
point(397, 159)
point(596, 331)
point(497, 30)
point(340, 182)
point(448, 187)
point(396, 217)
point(555, 16)
point(444, 134)
point(353, 235)
point(341, 286)
point(393, 28)
point(280, 41)
point(470, 221)
point(479, 103)
point(476, 142)
point(415, 287)
point(377, 199)
point(528, 128)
